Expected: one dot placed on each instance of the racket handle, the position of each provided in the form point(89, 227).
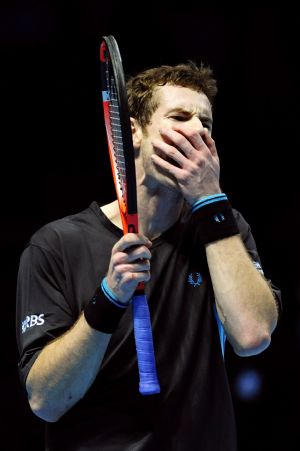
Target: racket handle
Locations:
point(149, 384)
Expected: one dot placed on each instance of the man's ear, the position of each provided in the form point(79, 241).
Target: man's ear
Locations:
point(137, 133)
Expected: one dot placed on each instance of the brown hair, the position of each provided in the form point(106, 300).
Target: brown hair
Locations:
point(141, 87)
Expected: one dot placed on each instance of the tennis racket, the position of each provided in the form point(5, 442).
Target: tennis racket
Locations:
point(121, 153)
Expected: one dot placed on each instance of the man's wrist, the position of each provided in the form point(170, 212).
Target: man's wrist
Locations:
point(111, 296)
point(104, 311)
point(215, 219)
point(191, 200)
point(207, 200)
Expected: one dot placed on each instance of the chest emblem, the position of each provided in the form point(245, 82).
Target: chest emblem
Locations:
point(195, 279)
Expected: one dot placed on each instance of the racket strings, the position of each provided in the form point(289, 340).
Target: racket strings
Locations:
point(116, 134)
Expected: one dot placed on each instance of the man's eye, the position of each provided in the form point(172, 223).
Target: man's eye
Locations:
point(179, 118)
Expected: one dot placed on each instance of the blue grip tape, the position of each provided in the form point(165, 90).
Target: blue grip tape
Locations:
point(149, 384)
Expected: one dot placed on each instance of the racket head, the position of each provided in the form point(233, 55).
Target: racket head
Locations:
point(118, 132)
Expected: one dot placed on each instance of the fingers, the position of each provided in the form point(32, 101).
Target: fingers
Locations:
point(132, 254)
point(178, 147)
point(178, 154)
point(188, 140)
point(166, 166)
point(210, 144)
point(129, 265)
point(174, 153)
point(131, 239)
point(164, 150)
point(174, 146)
point(191, 159)
point(179, 150)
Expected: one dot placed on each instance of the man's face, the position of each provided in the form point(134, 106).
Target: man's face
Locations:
point(178, 106)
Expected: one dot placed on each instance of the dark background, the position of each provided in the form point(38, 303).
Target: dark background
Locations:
point(54, 160)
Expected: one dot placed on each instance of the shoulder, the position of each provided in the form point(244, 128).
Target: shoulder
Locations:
point(66, 230)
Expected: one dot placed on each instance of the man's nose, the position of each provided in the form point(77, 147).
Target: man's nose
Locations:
point(197, 124)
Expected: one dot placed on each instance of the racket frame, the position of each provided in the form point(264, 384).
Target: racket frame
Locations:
point(127, 200)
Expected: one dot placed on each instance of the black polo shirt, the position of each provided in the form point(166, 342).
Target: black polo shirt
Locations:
point(59, 272)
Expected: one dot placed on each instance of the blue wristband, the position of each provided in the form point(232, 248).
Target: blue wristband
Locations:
point(110, 295)
point(207, 200)
point(104, 311)
point(214, 218)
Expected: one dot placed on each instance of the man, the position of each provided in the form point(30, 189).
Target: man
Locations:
point(203, 281)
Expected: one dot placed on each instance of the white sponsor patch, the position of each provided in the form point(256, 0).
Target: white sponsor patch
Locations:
point(31, 321)
point(258, 267)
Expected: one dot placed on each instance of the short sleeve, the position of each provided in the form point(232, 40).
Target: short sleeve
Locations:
point(250, 245)
point(42, 311)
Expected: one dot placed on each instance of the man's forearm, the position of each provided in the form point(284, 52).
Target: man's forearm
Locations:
point(244, 300)
point(65, 370)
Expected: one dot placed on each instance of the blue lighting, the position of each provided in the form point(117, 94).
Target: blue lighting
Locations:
point(248, 384)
